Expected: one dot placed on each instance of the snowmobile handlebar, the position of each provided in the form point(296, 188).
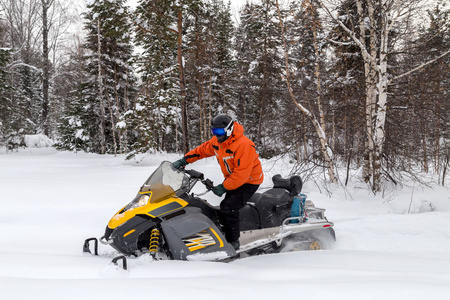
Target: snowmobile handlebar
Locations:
point(195, 174)
point(208, 183)
point(200, 176)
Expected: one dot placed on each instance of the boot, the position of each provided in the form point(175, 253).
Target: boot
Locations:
point(235, 245)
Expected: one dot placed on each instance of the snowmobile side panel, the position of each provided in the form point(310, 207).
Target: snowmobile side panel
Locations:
point(302, 227)
point(130, 237)
point(207, 209)
point(193, 233)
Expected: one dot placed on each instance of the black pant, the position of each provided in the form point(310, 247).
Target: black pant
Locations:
point(229, 209)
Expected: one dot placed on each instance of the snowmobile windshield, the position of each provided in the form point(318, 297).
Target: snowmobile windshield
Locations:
point(165, 182)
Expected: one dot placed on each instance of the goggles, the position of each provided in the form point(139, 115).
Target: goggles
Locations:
point(220, 131)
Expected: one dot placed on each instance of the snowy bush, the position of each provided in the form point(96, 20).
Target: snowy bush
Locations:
point(37, 141)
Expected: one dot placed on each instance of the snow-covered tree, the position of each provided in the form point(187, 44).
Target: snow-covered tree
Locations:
point(422, 102)
point(73, 134)
point(163, 101)
point(21, 35)
point(305, 79)
point(210, 67)
point(260, 86)
point(5, 102)
point(107, 91)
point(381, 20)
point(155, 116)
point(346, 87)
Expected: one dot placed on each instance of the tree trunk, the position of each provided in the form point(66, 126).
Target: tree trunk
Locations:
point(100, 92)
point(381, 109)
point(184, 118)
point(119, 131)
point(111, 116)
point(326, 151)
point(445, 166)
point(46, 67)
point(370, 91)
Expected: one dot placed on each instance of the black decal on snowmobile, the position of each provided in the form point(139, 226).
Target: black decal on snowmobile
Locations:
point(199, 241)
point(165, 209)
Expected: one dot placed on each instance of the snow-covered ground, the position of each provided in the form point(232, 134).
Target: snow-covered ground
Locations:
point(396, 247)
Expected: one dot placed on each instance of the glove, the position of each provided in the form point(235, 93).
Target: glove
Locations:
point(219, 190)
point(180, 163)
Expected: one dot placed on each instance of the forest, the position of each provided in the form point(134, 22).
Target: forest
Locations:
point(332, 84)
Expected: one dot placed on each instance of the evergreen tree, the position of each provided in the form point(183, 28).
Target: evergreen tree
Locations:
point(221, 28)
point(155, 117)
point(21, 35)
point(422, 102)
point(260, 87)
point(210, 67)
point(109, 87)
point(347, 86)
point(162, 114)
point(72, 127)
point(5, 103)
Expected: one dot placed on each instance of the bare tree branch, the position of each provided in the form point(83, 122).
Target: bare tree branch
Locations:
point(419, 67)
point(352, 35)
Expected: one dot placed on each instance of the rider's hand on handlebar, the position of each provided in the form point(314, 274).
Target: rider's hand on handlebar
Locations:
point(219, 190)
point(181, 163)
point(208, 183)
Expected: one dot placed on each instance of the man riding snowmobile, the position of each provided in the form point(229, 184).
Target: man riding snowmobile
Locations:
point(240, 165)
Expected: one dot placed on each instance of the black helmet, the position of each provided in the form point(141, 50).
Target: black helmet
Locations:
point(222, 127)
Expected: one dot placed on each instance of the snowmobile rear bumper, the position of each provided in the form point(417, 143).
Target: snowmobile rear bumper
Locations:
point(256, 238)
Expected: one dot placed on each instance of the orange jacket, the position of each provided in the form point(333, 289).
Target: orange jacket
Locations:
point(236, 156)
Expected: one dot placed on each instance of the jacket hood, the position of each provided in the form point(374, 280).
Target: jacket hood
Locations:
point(238, 131)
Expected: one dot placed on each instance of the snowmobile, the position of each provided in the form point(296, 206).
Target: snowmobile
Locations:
point(167, 222)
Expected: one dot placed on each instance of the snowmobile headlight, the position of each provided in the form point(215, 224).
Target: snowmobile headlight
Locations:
point(139, 201)
point(143, 200)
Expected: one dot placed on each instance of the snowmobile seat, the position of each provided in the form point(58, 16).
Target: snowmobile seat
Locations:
point(266, 210)
point(274, 207)
point(249, 217)
point(293, 185)
point(254, 198)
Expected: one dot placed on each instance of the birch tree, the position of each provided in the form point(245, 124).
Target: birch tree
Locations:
point(373, 35)
point(319, 119)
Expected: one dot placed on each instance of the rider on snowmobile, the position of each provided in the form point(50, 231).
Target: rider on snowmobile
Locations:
point(240, 165)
